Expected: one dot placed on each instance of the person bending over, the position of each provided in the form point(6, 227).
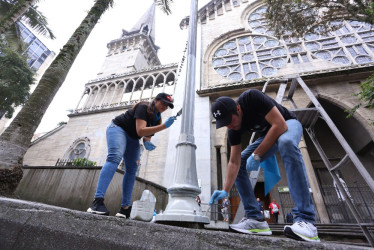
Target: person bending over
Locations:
point(279, 131)
point(123, 134)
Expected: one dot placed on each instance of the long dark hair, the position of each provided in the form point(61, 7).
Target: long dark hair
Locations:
point(150, 108)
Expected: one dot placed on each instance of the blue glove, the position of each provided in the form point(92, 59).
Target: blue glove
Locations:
point(149, 146)
point(170, 121)
point(252, 164)
point(217, 195)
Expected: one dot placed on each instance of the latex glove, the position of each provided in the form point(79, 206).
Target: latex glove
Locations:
point(170, 121)
point(149, 146)
point(252, 164)
point(217, 195)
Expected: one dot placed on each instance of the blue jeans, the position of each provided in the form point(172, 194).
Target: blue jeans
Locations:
point(287, 145)
point(120, 145)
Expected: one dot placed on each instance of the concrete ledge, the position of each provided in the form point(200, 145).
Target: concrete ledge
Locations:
point(30, 225)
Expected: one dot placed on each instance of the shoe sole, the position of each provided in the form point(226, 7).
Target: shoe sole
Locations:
point(97, 212)
point(121, 215)
point(296, 236)
point(265, 232)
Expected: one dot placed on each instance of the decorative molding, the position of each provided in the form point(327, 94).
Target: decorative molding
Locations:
point(87, 148)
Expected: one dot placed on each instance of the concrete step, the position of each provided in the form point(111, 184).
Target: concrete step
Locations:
point(344, 233)
point(31, 225)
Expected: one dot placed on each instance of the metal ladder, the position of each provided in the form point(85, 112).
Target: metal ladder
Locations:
point(308, 117)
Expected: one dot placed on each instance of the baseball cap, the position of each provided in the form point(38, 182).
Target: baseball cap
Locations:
point(166, 98)
point(222, 110)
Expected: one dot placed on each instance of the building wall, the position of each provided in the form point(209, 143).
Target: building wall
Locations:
point(93, 126)
point(75, 187)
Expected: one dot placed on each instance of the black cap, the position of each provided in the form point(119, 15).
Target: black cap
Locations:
point(166, 98)
point(222, 110)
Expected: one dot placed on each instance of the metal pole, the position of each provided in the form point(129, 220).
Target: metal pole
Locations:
point(182, 207)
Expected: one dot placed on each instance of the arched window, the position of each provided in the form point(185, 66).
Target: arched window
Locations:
point(259, 54)
point(80, 148)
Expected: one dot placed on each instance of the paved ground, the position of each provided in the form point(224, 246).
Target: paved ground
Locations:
point(29, 225)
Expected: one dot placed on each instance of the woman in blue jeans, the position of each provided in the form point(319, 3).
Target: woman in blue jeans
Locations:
point(123, 134)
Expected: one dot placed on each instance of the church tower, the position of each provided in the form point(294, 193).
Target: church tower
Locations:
point(131, 72)
point(134, 50)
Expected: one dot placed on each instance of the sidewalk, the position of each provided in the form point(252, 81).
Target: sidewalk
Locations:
point(30, 225)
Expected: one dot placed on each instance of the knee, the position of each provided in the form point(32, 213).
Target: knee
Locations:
point(131, 168)
point(286, 144)
point(115, 158)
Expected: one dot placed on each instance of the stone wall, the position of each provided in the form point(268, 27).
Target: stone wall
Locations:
point(93, 126)
point(75, 187)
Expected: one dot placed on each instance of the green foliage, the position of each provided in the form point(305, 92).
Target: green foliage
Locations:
point(298, 17)
point(31, 16)
point(83, 162)
point(15, 80)
point(366, 94)
point(164, 5)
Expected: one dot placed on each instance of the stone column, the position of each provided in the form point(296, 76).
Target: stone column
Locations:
point(318, 200)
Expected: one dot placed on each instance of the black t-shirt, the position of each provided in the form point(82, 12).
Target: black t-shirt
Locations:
point(255, 106)
point(127, 121)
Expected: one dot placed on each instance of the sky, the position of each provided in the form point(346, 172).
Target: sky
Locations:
point(65, 16)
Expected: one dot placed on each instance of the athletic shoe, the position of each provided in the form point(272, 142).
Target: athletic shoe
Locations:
point(98, 207)
point(124, 213)
point(251, 226)
point(302, 230)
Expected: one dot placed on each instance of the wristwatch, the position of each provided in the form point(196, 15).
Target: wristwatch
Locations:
point(256, 157)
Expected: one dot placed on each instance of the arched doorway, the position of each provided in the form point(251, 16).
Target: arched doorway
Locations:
point(362, 144)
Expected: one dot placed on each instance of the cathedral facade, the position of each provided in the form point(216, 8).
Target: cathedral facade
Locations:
point(236, 51)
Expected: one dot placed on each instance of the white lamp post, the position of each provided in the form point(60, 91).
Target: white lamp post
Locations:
point(182, 206)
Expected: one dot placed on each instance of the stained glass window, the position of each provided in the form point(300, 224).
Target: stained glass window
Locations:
point(258, 54)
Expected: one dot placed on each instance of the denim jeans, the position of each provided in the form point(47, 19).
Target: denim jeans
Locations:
point(120, 145)
point(287, 146)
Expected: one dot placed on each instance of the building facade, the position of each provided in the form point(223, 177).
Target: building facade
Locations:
point(39, 58)
point(236, 52)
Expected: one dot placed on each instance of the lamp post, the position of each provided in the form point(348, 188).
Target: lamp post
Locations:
point(182, 208)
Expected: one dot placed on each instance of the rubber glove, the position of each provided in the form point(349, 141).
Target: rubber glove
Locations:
point(252, 164)
point(149, 146)
point(170, 121)
point(217, 195)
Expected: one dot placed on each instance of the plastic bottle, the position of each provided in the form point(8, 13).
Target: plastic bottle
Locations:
point(143, 209)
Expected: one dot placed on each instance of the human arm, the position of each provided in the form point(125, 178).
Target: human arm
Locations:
point(233, 169)
point(278, 127)
point(143, 130)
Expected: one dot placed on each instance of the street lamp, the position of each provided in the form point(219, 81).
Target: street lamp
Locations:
point(182, 208)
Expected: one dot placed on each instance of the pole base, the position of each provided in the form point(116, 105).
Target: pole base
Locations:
point(182, 210)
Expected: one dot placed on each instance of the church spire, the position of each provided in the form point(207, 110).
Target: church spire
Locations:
point(135, 49)
point(146, 24)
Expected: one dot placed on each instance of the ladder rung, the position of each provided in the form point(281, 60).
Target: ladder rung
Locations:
point(306, 116)
point(367, 224)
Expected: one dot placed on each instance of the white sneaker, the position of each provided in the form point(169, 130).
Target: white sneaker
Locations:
point(302, 230)
point(251, 226)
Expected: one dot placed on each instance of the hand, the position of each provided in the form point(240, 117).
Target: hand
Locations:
point(149, 146)
point(170, 121)
point(217, 195)
point(252, 164)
